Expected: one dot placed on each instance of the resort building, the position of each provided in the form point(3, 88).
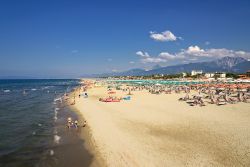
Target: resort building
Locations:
point(221, 74)
point(194, 72)
point(209, 75)
point(242, 76)
point(248, 73)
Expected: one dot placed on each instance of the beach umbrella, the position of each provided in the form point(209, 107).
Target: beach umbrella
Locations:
point(111, 92)
point(243, 90)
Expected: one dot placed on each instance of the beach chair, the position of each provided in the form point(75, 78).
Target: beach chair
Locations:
point(221, 103)
point(127, 98)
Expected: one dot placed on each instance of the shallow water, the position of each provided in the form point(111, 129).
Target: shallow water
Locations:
point(33, 131)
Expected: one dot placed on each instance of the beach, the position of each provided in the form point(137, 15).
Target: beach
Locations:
point(159, 130)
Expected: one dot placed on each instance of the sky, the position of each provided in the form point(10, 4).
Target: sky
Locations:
point(71, 38)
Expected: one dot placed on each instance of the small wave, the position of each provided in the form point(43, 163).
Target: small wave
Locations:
point(33, 89)
point(6, 91)
point(46, 87)
point(58, 99)
point(56, 112)
point(34, 133)
point(39, 124)
point(55, 117)
point(57, 109)
point(51, 152)
point(57, 139)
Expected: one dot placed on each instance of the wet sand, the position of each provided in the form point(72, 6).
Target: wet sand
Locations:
point(158, 130)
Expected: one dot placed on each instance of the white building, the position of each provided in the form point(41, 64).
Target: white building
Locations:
point(217, 74)
point(209, 75)
point(222, 75)
point(194, 72)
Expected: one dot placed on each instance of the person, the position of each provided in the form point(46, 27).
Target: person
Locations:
point(86, 95)
point(69, 122)
point(73, 103)
point(76, 124)
point(84, 123)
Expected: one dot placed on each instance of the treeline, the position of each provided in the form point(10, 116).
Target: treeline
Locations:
point(172, 76)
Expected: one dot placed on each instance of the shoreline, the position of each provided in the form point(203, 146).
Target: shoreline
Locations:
point(86, 135)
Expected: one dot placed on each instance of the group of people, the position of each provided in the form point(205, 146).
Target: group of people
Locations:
point(74, 124)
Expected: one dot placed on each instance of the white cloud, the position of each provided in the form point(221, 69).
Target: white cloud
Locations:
point(163, 36)
point(142, 54)
point(131, 62)
point(168, 56)
point(153, 60)
point(194, 50)
point(192, 53)
point(109, 59)
point(114, 70)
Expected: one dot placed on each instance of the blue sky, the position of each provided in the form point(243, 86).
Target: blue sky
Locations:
point(69, 38)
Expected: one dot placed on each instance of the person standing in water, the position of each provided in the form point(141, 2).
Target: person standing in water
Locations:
point(76, 124)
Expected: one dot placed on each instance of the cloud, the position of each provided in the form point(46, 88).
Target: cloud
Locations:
point(142, 54)
point(114, 70)
point(131, 62)
point(192, 53)
point(109, 59)
point(163, 36)
point(153, 60)
point(168, 56)
point(194, 50)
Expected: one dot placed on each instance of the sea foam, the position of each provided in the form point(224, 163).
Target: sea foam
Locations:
point(57, 139)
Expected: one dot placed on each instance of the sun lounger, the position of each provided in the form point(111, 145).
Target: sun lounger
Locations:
point(190, 101)
point(110, 100)
point(127, 98)
point(221, 103)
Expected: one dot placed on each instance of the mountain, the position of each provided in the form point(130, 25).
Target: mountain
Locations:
point(228, 63)
point(225, 64)
point(156, 66)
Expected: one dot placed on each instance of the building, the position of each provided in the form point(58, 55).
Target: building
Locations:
point(248, 73)
point(209, 75)
point(242, 76)
point(184, 74)
point(221, 75)
point(194, 72)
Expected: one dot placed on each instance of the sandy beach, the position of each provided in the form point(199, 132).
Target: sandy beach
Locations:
point(159, 130)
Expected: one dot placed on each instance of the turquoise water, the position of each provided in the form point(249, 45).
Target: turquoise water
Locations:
point(163, 82)
point(32, 124)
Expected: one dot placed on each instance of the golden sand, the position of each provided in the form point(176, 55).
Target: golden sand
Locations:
point(159, 130)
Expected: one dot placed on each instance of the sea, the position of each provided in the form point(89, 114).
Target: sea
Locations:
point(33, 130)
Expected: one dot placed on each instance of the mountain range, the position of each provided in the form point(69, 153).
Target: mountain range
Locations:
point(225, 64)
